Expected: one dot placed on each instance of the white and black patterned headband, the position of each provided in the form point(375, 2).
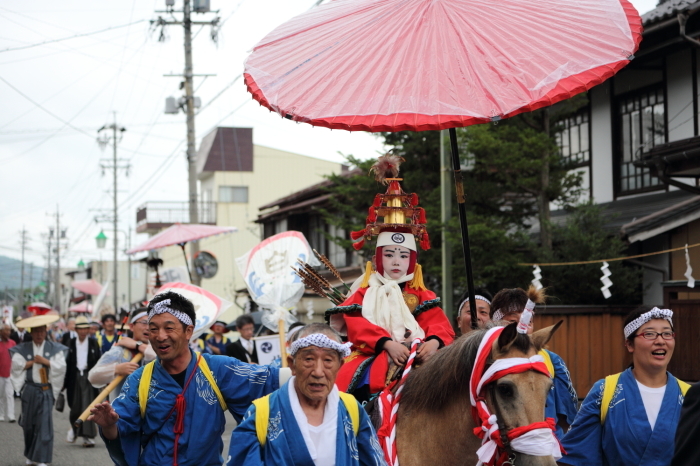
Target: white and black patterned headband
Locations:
point(322, 341)
point(655, 313)
point(498, 314)
point(162, 307)
point(478, 296)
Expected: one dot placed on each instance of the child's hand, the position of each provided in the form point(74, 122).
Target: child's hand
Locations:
point(427, 350)
point(397, 352)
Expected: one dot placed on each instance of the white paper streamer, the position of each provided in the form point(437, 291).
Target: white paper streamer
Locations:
point(689, 269)
point(537, 272)
point(607, 283)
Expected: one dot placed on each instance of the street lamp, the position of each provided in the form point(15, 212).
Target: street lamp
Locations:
point(101, 240)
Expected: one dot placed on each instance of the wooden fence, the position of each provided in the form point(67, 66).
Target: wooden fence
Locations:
point(590, 341)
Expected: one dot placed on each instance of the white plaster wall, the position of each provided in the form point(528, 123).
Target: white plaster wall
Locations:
point(601, 144)
point(679, 93)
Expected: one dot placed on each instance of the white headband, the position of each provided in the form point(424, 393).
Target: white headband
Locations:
point(322, 341)
point(162, 307)
point(655, 313)
point(478, 296)
point(138, 316)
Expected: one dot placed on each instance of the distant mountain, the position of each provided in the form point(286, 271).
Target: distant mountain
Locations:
point(10, 273)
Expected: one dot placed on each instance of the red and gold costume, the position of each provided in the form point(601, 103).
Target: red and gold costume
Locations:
point(383, 309)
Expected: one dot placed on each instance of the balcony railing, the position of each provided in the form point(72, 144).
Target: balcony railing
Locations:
point(161, 214)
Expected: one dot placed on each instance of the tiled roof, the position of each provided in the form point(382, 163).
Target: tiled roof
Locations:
point(667, 9)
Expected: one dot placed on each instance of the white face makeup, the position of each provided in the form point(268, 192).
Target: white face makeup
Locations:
point(395, 261)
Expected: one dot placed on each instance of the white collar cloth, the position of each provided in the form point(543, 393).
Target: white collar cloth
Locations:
point(320, 440)
point(384, 306)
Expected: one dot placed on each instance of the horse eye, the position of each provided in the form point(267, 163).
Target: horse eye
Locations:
point(505, 390)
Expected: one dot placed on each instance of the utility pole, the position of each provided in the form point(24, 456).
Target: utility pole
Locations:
point(31, 280)
point(47, 281)
point(60, 235)
point(201, 6)
point(23, 245)
point(103, 139)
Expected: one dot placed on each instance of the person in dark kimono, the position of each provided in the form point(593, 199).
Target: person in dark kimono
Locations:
point(83, 354)
point(38, 370)
point(631, 418)
point(687, 451)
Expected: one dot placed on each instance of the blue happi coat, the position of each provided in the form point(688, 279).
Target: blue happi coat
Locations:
point(150, 440)
point(561, 399)
point(285, 444)
point(626, 438)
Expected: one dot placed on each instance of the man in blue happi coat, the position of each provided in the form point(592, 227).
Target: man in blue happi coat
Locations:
point(171, 411)
point(309, 422)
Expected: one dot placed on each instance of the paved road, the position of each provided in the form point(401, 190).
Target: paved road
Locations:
point(65, 454)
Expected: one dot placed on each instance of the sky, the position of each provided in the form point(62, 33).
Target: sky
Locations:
point(68, 68)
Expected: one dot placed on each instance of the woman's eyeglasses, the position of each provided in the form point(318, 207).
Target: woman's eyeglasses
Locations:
point(654, 335)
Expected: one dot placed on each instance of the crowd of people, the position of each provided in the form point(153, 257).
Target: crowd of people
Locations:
point(329, 406)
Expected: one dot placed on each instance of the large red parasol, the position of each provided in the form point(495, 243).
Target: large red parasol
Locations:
point(394, 65)
point(181, 234)
point(39, 308)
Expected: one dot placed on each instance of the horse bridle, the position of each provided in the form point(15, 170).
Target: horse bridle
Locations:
point(502, 429)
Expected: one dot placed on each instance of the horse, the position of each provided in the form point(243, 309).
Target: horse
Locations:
point(434, 419)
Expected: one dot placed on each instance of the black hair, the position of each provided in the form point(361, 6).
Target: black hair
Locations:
point(177, 303)
point(243, 320)
point(479, 291)
point(510, 300)
point(108, 316)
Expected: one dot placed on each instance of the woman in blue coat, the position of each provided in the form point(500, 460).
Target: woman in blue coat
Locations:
point(631, 418)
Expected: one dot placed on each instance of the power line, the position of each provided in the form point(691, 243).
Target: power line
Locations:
point(11, 49)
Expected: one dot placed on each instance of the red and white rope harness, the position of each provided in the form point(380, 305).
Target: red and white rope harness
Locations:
point(536, 439)
point(389, 400)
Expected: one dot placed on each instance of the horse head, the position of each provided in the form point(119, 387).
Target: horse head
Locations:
point(435, 423)
point(518, 399)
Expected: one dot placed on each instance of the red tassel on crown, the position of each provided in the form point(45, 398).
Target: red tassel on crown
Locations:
point(398, 209)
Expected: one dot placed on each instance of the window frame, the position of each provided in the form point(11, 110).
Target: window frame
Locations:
point(618, 140)
point(233, 188)
point(585, 110)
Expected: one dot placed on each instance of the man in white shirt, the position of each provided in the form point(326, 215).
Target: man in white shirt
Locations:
point(309, 422)
point(244, 348)
point(83, 354)
point(38, 370)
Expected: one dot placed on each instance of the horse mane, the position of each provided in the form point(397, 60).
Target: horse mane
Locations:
point(446, 375)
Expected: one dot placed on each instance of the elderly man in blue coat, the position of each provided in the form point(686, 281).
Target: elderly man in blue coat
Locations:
point(308, 422)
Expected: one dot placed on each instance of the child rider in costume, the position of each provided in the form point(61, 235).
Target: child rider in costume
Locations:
point(391, 305)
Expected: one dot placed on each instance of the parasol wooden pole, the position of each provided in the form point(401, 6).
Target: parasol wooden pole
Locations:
point(187, 264)
point(104, 394)
point(283, 344)
point(459, 191)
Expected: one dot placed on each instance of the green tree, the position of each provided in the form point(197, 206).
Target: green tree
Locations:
point(585, 238)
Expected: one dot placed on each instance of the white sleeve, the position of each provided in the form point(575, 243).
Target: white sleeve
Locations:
point(102, 374)
point(18, 376)
point(149, 355)
point(57, 373)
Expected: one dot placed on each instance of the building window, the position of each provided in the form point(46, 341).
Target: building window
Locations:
point(574, 139)
point(642, 126)
point(233, 194)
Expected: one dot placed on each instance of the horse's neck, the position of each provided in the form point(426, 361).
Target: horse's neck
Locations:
point(444, 438)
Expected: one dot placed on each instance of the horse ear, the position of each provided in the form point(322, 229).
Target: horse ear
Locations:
point(542, 336)
point(507, 337)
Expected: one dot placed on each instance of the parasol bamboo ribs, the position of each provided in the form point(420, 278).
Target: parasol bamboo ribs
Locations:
point(104, 394)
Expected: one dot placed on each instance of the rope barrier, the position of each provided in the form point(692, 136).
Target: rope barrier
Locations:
point(598, 261)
